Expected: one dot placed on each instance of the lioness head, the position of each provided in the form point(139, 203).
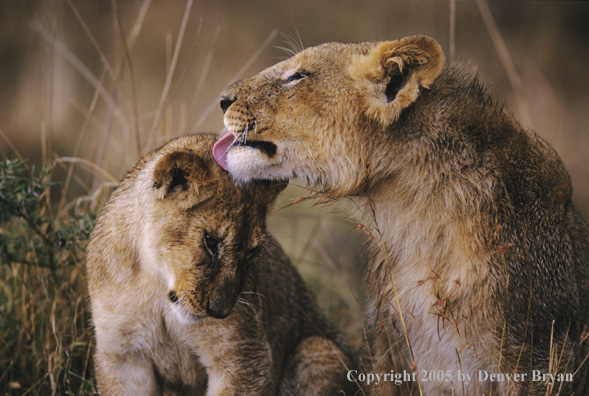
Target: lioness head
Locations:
point(308, 116)
point(204, 230)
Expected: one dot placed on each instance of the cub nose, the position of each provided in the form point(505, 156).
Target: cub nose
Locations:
point(225, 102)
point(218, 311)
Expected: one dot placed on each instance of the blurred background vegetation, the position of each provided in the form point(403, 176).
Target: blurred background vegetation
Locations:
point(87, 87)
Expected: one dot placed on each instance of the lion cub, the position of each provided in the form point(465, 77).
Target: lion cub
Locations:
point(190, 296)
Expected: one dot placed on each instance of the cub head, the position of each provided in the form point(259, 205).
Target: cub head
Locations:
point(204, 231)
point(320, 114)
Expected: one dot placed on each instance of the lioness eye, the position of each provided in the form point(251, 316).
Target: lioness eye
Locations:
point(297, 76)
point(212, 244)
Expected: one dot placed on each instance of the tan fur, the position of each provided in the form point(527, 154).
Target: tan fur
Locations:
point(479, 260)
point(179, 242)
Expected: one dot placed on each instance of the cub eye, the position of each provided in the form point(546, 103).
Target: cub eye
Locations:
point(254, 251)
point(297, 76)
point(212, 244)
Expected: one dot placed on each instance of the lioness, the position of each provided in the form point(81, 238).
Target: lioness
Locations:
point(480, 262)
point(185, 285)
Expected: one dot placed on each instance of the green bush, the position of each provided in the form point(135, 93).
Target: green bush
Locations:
point(45, 333)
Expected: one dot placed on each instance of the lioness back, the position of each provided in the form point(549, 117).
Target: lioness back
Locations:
point(480, 263)
point(189, 294)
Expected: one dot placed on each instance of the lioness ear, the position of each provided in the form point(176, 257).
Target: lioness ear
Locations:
point(396, 72)
point(185, 175)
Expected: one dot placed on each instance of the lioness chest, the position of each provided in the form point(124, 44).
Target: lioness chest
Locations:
point(424, 284)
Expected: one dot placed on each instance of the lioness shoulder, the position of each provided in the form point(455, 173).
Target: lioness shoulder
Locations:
point(480, 261)
point(189, 294)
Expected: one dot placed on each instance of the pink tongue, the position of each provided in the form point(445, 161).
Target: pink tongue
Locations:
point(220, 149)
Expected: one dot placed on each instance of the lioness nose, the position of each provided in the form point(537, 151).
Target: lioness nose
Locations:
point(225, 102)
point(173, 296)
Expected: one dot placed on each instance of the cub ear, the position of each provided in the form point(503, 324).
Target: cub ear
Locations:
point(396, 72)
point(275, 187)
point(183, 175)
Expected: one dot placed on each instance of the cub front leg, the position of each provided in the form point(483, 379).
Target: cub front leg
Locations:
point(239, 368)
point(124, 375)
point(317, 367)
